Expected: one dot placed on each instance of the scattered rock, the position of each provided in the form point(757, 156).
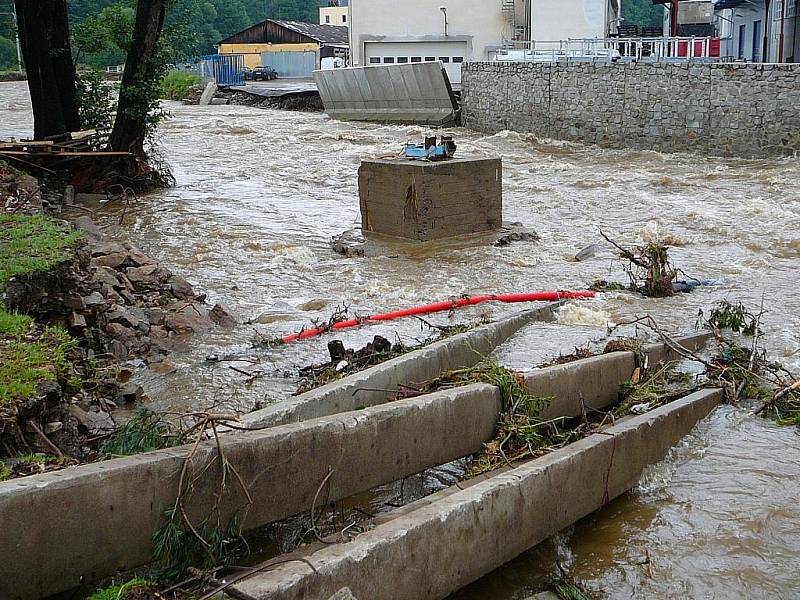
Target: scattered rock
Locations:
point(96, 423)
point(138, 258)
point(88, 227)
point(120, 314)
point(114, 260)
point(180, 288)
point(130, 393)
point(51, 428)
point(94, 300)
point(120, 332)
point(76, 321)
point(163, 368)
point(221, 316)
point(351, 243)
point(343, 594)
point(515, 232)
point(107, 276)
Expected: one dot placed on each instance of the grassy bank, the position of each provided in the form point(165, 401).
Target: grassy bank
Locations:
point(30, 355)
point(176, 85)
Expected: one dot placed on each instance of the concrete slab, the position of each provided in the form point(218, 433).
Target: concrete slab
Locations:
point(477, 529)
point(82, 524)
point(462, 350)
point(409, 93)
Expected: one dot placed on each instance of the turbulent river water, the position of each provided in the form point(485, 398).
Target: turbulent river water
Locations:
point(260, 192)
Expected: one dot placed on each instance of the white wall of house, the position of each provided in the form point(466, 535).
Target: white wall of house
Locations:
point(753, 20)
point(388, 31)
point(564, 19)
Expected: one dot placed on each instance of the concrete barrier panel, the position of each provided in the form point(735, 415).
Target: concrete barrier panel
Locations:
point(480, 528)
point(408, 93)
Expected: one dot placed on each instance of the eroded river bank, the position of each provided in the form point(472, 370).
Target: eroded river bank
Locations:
point(260, 193)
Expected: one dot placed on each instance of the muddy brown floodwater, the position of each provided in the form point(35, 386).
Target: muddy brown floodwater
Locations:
point(260, 192)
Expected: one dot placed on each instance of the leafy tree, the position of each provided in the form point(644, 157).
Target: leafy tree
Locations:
point(8, 53)
point(105, 35)
point(642, 13)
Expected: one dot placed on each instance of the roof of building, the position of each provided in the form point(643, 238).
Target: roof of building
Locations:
point(288, 32)
point(327, 34)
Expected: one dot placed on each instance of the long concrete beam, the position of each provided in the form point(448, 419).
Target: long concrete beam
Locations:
point(477, 529)
point(364, 388)
point(82, 524)
point(595, 382)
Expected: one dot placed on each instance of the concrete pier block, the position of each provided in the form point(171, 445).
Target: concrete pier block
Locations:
point(419, 200)
point(488, 523)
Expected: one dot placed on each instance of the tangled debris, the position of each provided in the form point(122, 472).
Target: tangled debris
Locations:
point(649, 269)
point(345, 361)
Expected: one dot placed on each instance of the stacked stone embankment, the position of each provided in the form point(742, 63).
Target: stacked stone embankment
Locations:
point(747, 110)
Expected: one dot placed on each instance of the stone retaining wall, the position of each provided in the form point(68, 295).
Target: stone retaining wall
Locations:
point(748, 110)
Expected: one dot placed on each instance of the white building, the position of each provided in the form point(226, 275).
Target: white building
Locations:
point(454, 31)
point(760, 31)
point(335, 13)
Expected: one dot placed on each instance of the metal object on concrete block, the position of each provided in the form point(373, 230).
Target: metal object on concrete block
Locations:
point(408, 93)
point(426, 201)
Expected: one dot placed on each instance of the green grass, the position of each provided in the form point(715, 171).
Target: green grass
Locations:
point(30, 245)
point(26, 363)
point(176, 84)
point(135, 588)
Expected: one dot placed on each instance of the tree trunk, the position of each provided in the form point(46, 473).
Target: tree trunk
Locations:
point(44, 36)
point(130, 127)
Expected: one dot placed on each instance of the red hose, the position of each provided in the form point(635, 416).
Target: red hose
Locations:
point(427, 309)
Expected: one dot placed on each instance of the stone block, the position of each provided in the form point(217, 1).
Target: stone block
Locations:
point(423, 201)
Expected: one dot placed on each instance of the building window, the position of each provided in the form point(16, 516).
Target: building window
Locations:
point(327, 18)
point(458, 59)
point(402, 59)
point(757, 41)
point(416, 59)
point(344, 18)
point(444, 59)
point(430, 58)
point(387, 60)
point(742, 36)
point(374, 60)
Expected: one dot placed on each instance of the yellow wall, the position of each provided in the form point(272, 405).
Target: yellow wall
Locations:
point(252, 52)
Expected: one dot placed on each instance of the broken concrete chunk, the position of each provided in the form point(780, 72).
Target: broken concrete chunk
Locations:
point(97, 423)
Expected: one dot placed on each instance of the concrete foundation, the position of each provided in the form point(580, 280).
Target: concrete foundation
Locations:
point(462, 350)
point(419, 200)
point(477, 529)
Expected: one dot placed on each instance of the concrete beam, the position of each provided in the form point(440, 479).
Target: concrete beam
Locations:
point(596, 381)
point(85, 523)
point(477, 529)
point(462, 350)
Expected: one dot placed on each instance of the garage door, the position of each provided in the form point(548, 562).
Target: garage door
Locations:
point(451, 54)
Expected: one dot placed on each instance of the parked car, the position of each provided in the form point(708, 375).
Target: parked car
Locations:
point(247, 73)
point(264, 73)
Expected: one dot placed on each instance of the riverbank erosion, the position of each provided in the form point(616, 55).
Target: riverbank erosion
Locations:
point(79, 315)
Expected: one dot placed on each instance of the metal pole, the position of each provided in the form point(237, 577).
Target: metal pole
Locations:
point(16, 33)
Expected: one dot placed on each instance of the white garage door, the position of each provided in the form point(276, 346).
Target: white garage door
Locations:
point(451, 54)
